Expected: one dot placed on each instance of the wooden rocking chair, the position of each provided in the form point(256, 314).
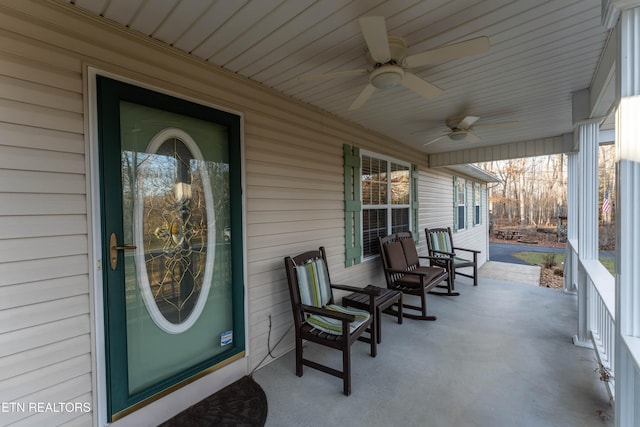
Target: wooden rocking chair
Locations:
point(404, 273)
point(317, 319)
point(444, 254)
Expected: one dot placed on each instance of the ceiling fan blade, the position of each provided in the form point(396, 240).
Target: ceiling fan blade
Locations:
point(448, 53)
point(435, 140)
point(419, 86)
point(374, 30)
point(329, 76)
point(362, 98)
point(501, 125)
point(441, 130)
point(472, 137)
point(467, 122)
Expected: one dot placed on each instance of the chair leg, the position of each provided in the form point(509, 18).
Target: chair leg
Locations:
point(346, 367)
point(298, 356)
point(378, 325)
point(373, 336)
point(423, 302)
point(449, 286)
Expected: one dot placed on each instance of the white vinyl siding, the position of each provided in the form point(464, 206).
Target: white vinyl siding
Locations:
point(45, 344)
point(436, 201)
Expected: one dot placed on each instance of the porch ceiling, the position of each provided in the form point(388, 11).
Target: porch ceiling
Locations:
point(541, 52)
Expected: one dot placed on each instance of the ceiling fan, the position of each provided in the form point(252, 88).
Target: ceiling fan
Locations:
point(461, 129)
point(390, 61)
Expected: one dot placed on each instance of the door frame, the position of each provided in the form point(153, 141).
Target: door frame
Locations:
point(174, 400)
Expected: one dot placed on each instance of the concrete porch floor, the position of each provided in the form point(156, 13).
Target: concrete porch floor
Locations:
point(500, 354)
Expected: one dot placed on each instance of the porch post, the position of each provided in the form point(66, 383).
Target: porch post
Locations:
point(570, 259)
point(587, 132)
point(627, 350)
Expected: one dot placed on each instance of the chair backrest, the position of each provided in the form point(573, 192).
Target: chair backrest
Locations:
point(309, 281)
point(398, 252)
point(313, 283)
point(439, 239)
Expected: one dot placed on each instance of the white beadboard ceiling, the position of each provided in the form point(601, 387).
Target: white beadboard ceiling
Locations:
point(541, 52)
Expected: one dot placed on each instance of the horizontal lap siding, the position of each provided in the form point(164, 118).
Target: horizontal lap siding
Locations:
point(45, 345)
point(436, 210)
point(294, 203)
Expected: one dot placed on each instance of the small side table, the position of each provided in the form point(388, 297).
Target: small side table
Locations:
point(384, 301)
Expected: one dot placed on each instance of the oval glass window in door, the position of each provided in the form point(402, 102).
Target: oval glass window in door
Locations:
point(174, 230)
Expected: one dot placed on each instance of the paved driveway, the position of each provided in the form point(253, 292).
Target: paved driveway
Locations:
point(503, 252)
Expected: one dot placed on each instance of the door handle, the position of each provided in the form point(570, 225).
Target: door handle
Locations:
point(114, 248)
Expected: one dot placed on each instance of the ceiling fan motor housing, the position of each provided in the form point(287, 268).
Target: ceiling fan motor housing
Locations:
point(397, 48)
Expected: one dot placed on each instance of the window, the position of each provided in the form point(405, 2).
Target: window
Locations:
point(386, 200)
point(460, 201)
point(380, 197)
point(477, 204)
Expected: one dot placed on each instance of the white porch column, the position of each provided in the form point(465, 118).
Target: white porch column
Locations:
point(570, 259)
point(587, 133)
point(588, 194)
point(627, 351)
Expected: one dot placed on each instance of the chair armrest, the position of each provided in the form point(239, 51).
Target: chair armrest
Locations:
point(436, 258)
point(410, 272)
point(467, 250)
point(375, 291)
point(328, 313)
point(450, 254)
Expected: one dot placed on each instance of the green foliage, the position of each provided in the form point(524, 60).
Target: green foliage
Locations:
point(538, 258)
point(549, 260)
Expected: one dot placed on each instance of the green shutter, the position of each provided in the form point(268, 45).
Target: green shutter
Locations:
point(478, 189)
point(466, 205)
point(473, 202)
point(415, 203)
point(352, 206)
point(455, 203)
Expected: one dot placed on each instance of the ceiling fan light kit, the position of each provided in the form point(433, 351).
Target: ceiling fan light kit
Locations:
point(458, 135)
point(386, 76)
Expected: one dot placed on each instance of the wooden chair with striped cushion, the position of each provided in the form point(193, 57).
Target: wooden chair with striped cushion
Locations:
point(317, 319)
point(444, 253)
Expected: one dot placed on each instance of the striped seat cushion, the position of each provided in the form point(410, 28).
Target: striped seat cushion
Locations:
point(440, 242)
point(334, 326)
point(460, 261)
point(313, 282)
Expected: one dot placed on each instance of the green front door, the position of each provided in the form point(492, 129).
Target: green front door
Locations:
point(171, 211)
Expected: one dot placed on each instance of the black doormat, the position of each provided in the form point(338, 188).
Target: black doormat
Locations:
point(241, 404)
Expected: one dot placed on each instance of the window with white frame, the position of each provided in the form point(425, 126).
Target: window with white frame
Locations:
point(460, 188)
point(477, 203)
point(386, 199)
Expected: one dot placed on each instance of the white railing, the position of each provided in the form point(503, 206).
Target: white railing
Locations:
point(601, 317)
point(600, 326)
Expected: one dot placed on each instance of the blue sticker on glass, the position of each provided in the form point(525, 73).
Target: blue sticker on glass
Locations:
point(226, 338)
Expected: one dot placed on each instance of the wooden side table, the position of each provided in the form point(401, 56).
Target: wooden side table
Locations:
point(383, 302)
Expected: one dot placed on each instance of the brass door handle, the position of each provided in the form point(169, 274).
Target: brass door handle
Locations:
point(114, 248)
